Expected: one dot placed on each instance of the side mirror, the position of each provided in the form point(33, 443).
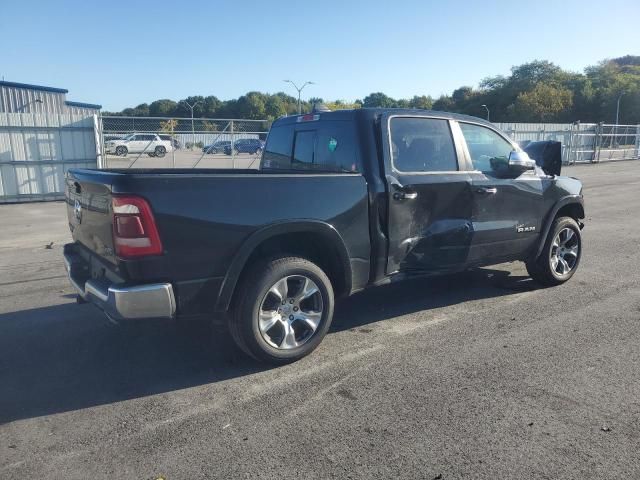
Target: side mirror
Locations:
point(520, 162)
point(547, 154)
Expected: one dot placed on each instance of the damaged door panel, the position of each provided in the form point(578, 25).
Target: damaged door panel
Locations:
point(429, 197)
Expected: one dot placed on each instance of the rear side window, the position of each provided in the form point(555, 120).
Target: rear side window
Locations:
point(327, 146)
point(304, 149)
point(422, 145)
point(277, 153)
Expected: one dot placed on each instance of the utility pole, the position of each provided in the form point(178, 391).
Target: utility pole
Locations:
point(487, 109)
point(299, 89)
point(193, 130)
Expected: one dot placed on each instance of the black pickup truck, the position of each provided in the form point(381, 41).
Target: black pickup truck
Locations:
point(342, 201)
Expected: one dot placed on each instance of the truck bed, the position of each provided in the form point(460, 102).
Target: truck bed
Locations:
point(204, 217)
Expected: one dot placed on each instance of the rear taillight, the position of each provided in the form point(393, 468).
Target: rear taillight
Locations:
point(134, 229)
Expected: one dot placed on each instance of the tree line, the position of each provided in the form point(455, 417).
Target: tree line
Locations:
point(538, 91)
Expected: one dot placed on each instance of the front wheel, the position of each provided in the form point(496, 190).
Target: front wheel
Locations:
point(283, 310)
point(121, 151)
point(560, 255)
point(160, 151)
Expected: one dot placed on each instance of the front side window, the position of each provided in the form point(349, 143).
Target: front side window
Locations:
point(488, 150)
point(422, 145)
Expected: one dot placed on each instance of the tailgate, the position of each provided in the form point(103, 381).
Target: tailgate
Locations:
point(88, 196)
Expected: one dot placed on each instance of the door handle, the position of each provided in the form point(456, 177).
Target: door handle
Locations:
point(487, 190)
point(404, 195)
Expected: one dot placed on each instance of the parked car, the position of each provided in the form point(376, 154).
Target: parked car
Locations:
point(174, 142)
point(343, 201)
point(109, 138)
point(148, 143)
point(216, 147)
point(245, 145)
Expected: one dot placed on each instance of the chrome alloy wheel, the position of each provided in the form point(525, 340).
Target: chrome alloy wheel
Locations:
point(564, 251)
point(290, 312)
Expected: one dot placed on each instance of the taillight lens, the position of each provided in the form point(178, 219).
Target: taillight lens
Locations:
point(134, 228)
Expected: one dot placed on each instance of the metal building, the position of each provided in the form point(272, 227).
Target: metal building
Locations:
point(42, 135)
point(25, 98)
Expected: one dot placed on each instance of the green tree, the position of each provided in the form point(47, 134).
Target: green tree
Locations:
point(444, 104)
point(543, 103)
point(163, 108)
point(252, 106)
point(378, 99)
point(422, 102)
point(275, 107)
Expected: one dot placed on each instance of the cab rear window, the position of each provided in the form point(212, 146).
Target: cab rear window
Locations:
point(317, 146)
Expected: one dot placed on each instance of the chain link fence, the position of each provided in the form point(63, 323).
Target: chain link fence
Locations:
point(581, 142)
point(170, 142)
point(166, 142)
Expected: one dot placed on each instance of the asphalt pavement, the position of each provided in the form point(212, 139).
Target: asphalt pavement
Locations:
point(477, 375)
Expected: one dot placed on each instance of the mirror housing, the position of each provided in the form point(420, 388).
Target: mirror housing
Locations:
point(547, 154)
point(519, 162)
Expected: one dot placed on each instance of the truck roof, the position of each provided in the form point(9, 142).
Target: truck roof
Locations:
point(372, 113)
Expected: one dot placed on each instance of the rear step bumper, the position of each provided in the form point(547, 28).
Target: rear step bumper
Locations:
point(120, 302)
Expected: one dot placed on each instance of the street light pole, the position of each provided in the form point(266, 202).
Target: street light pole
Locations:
point(487, 109)
point(615, 136)
point(299, 89)
point(193, 130)
point(618, 107)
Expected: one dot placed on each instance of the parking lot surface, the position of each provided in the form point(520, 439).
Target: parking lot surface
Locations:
point(478, 375)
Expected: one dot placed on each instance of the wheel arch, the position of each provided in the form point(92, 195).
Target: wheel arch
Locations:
point(317, 241)
point(569, 206)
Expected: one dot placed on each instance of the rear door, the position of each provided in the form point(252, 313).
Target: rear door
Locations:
point(429, 215)
point(507, 212)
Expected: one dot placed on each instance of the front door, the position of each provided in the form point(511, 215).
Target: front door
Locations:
point(429, 216)
point(136, 144)
point(507, 212)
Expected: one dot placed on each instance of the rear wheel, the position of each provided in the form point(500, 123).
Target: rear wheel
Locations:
point(283, 310)
point(560, 255)
point(160, 151)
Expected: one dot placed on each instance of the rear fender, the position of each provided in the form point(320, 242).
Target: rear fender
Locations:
point(239, 262)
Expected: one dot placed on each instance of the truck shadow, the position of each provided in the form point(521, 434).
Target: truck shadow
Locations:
point(68, 357)
point(416, 295)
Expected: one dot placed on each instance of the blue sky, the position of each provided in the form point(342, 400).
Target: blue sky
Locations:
point(120, 54)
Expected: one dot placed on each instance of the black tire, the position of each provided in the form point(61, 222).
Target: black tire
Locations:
point(121, 151)
point(151, 154)
point(160, 151)
point(543, 270)
point(252, 292)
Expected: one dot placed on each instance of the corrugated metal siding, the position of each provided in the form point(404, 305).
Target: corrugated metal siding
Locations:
point(36, 150)
point(80, 110)
point(24, 100)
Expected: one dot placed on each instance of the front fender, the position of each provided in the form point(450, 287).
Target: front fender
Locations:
point(257, 238)
point(563, 202)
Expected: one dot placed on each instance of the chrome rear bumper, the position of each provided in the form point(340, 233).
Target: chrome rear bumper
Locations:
point(121, 302)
